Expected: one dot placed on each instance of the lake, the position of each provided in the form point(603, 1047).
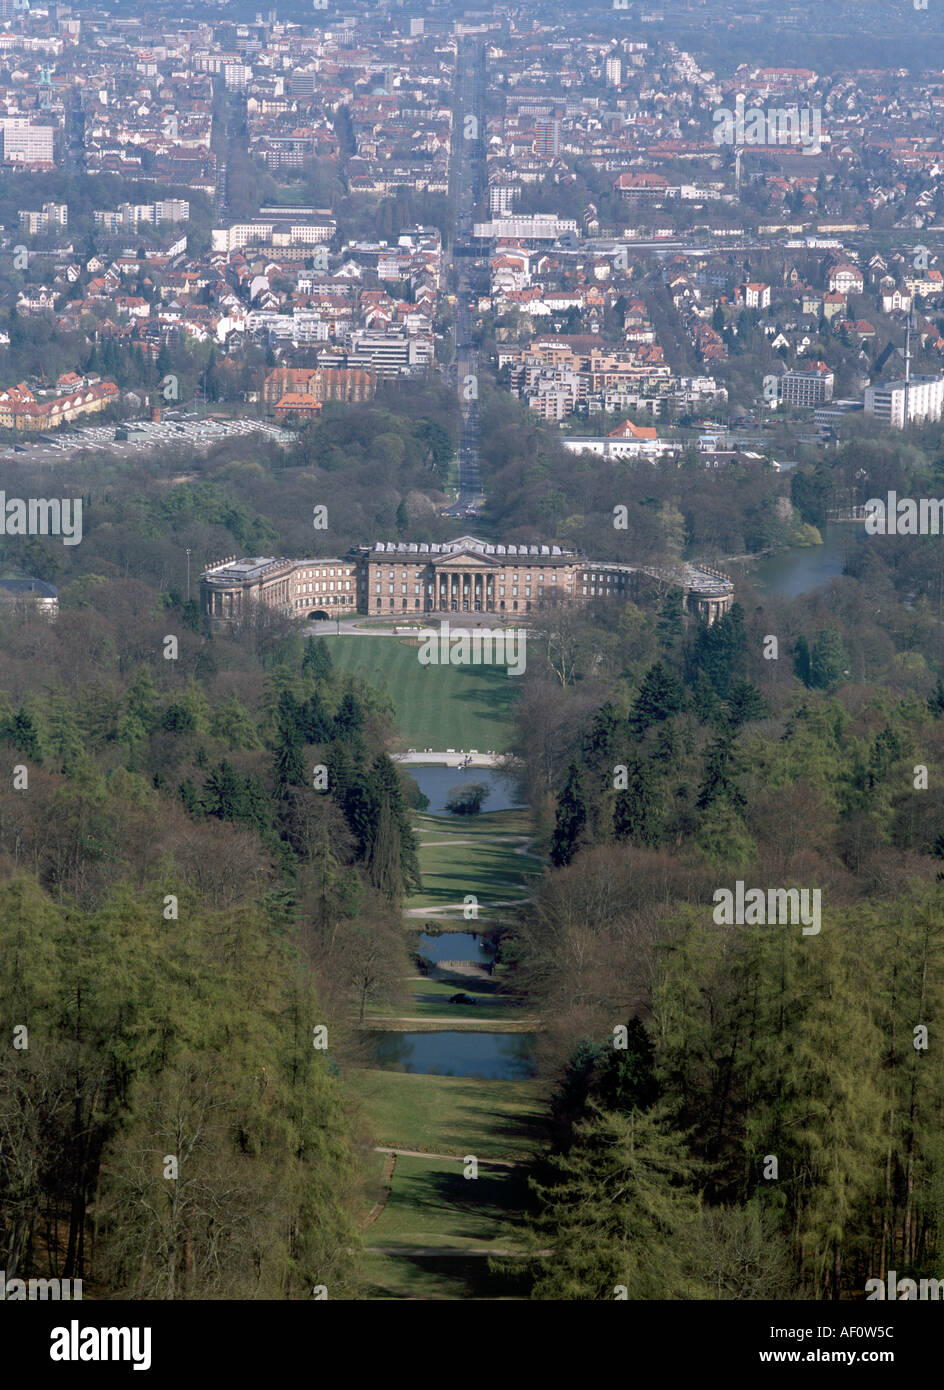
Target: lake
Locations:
point(438, 782)
point(490, 1056)
point(802, 568)
point(453, 945)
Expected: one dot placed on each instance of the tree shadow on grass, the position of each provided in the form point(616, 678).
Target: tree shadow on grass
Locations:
point(431, 1279)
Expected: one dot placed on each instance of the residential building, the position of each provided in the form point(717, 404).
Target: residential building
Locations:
point(846, 279)
point(22, 142)
point(50, 216)
point(626, 441)
point(129, 216)
point(886, 400)
point(756, 295)
point(541, 226)
point(807, 388)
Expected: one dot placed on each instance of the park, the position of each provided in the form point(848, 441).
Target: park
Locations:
point(447, 1081)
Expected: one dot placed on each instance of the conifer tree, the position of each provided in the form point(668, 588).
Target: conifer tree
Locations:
point(572, 815)
point(316, 662)
point(660, 696)
point(637, 811)
point(289, 763)
point(618, 1211)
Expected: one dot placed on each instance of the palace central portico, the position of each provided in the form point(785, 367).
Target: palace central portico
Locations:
point(467, 575)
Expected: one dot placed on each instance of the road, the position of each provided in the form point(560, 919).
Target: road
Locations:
point(469, 272)
point(447, 1158)
point(75, 134)
point(448, 1251)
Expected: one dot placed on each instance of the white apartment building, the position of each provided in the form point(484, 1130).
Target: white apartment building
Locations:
point(625, 448)
point(808, 388)
point(886, 400)
point(25, 143)
point(542, 226)
point(388, 354)
point(846, 279)
point(51, 215)
point(275, 234)
point(309, 327)
point(129, 216)
point(757, 295)
point(502, 198)
point(236, 76)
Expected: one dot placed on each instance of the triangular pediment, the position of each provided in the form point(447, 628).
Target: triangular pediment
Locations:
point(467, 558)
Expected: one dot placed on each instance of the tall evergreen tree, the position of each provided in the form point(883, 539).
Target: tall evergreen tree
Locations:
point(828, 659)
point(20, 731)
point(316, 723)
point(802, 661)
point(618, 1212)
point(660, 696)
point(637, 810)
point(349, 720)
point(627, 1078)
point(573, 809)
point(316, 662)
point(720, 650)
point(670, 625)
point(289, 763)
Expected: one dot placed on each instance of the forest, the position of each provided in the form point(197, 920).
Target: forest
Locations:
point(205, 847)
point(741, 1112)
point(200, 872)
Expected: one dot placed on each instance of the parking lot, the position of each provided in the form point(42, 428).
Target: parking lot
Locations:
point(194, 433)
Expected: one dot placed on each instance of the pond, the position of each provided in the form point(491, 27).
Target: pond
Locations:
point(802, 568)
point(438, 782)
point(489, 1056)
point(453, 945)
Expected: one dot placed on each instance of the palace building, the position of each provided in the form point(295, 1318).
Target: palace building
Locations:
point(405, 579)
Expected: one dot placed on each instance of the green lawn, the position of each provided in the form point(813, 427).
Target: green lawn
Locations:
point(472, 855)
point(430, 999)
point(434, 1280)
point(436, 707)
point(491, 825)
point(450, 1114)
point(431, 1203)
